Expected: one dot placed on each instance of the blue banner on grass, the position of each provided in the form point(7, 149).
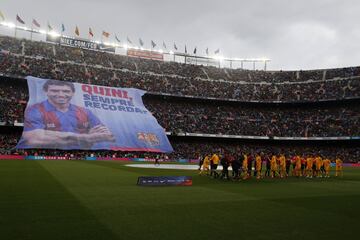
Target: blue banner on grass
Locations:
point(165, 181)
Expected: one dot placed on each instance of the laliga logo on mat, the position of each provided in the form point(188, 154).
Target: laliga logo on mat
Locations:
point(149, 138)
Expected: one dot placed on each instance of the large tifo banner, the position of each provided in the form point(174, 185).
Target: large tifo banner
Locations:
point(66, 115)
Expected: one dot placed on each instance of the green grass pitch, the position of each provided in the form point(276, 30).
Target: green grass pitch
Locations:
point(100, 200)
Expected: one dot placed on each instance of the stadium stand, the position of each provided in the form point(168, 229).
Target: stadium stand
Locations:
point(66, 63)
point(315, 103)
point(181, 115)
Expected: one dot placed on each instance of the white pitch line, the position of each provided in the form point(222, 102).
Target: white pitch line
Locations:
point(169, 166)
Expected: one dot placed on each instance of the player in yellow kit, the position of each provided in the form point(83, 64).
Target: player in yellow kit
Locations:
point(245, 167)
point(327, 164)
point(282, 165)
point(205, 166)
point(298, 166)
point(258, 165)
point(338, 167)
point(273, 166)
point(318, 162)
point(214, 162)
point(309, 166)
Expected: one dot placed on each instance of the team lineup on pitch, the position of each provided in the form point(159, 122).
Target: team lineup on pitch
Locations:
point(179, 120)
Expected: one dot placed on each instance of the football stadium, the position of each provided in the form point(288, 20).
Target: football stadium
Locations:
point(104, 136)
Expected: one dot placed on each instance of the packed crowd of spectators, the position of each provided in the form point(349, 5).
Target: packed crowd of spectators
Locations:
point(194, 116)
point(12, 65)
point(22, 57)
point(10, 44)
point(7, 142)
point(105, 59)
point(13, 98)
point(235, 119)
point(74, 64)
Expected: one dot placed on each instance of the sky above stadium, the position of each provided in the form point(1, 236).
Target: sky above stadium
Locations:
point(293, 34)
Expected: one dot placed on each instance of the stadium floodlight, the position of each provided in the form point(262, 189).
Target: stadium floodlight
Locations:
point(161, 51)
point(54, 34)
point(220, 58)
point(171, 52)
point(23, 28)
point(125, 46)
point(109, 44)
point(264, 59)
point(9, 24)
point(42, 31)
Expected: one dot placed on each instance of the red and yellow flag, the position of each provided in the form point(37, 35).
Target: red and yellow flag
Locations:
point(105, 34)
point(77, 31)
point(91, 32)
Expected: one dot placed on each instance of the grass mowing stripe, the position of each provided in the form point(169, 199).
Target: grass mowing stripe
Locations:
point(33, 205)
point(210, 209)
point(340, 206)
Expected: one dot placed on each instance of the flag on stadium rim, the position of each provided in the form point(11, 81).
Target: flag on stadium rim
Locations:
point(195, 50)
point(217, 51)
point(105, 34)
point(207, 51)
point(77, 32)
point(2, 16)
point(175, 47)
point(117, 39)
point(185, 49)
point(62, 27)
point(128, 40)
point(19, 19)
point(35, 23)
point(49, 27)
point(164, 45)
point(91, 32)
point(141, 42)
point(153, 44)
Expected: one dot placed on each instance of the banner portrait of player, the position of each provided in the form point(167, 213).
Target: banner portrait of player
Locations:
point(67, 115)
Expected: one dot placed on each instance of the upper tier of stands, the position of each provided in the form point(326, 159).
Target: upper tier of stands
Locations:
point(20, 57)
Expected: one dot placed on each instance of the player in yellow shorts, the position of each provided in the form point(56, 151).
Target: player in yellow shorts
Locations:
point(214, 162)
point(309, 166)
point(298, 166)
point(338, 167)
point(273, 166)
point(318, 162)
point(258, 165)
point(205, 166)
point(282, 166)
point(327, 164)
point(245, 166)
